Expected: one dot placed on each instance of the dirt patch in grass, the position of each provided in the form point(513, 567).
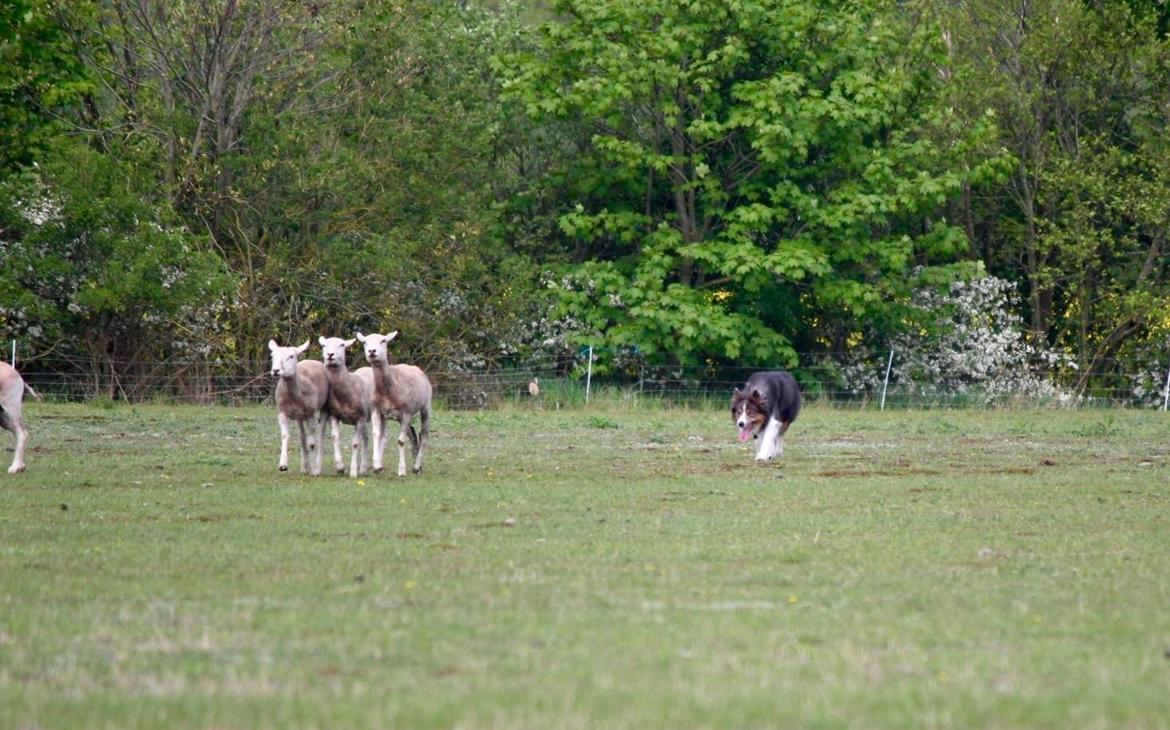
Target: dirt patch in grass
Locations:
point(886, 472)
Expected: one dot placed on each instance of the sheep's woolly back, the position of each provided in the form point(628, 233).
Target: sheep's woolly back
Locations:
point(301, 398)
point(400, 389)
point(350, 393)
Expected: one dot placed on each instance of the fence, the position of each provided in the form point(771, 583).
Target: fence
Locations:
point(566, 382)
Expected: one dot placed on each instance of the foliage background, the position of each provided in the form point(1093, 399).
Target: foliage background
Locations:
point(721, 182)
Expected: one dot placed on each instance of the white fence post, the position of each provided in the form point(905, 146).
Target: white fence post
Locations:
point(886, 383)
point(1166, 392)
point(589, 375)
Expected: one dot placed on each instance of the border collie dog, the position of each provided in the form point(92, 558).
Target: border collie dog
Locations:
point(768, 402)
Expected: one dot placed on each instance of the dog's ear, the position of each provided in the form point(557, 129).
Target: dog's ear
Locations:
point(735, 396)
point(758, 397)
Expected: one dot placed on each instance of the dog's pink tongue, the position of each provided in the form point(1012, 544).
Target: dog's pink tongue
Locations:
point(745, 434)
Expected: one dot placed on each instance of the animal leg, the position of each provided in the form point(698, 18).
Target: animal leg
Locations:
point(364, 453)
point(403, 433)
point(335, 426)
point(354, 445)
point(282, 420)
point(768, 438)
point(780, 438)
point(306, 456)
point(379, 424)
point(318, 444)
point(11, 420)
point(423, 434)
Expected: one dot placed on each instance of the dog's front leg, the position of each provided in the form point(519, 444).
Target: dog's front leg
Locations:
point(768, 440)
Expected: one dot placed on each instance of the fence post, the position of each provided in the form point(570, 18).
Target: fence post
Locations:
point(1166, 392)
point(589, 375)
point(886, 383)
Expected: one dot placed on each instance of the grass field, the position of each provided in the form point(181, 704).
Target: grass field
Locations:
point(604, 567)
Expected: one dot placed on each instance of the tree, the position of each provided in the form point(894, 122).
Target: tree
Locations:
point(338, 156)
point(1082, 92)
point(759, 175)
point(39, 74)
point(92, 266)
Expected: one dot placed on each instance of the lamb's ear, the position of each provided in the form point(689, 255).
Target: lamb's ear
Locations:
point(347, 343)
point(321, 340)
point(303, 347)
point(272, 345)
point(392, 335)
point(360, 338)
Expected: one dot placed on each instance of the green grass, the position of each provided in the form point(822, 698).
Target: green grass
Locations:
point(605, 567)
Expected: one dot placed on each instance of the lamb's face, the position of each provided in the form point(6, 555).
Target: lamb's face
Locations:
point(284, 359)
point(333, 351)
point(375, 346)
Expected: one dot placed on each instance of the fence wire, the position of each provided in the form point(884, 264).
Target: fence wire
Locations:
point(561, 382)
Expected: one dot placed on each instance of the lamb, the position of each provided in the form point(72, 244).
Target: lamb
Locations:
point(302, 394)
point(400, 391)
point(12, 388)
point(351, 397)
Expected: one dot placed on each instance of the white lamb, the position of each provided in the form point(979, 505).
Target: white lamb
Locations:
point(351, 397)
point(400, 391)
point(12, 388)
point(302, 393)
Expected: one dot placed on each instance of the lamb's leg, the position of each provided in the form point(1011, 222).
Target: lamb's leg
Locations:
point(353, 450)
point(413, 443)
point(282, 419)
point(421, 438)
point(305, 457)
point(403, 433)
point(364, 463)
point(379, 440)
point(319, 442)
point(424, 433)
point(358, 461)
point(10, 419)
point(335, 426)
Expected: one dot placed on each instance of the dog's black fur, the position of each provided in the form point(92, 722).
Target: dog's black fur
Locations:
point(768, 395)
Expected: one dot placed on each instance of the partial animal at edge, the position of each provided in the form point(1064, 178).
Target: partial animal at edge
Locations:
point(12, 388)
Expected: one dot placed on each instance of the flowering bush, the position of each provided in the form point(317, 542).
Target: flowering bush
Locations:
point(973, 342)
point(966, 339)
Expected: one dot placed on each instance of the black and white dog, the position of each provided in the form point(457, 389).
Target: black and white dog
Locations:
point(768, 402)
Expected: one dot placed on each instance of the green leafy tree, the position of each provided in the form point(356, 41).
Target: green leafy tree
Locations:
point(93, 268)
point(756, 176)
point(1082, 92)
point(39, 74)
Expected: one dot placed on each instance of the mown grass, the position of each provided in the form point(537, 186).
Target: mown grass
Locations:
point(604, 567)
